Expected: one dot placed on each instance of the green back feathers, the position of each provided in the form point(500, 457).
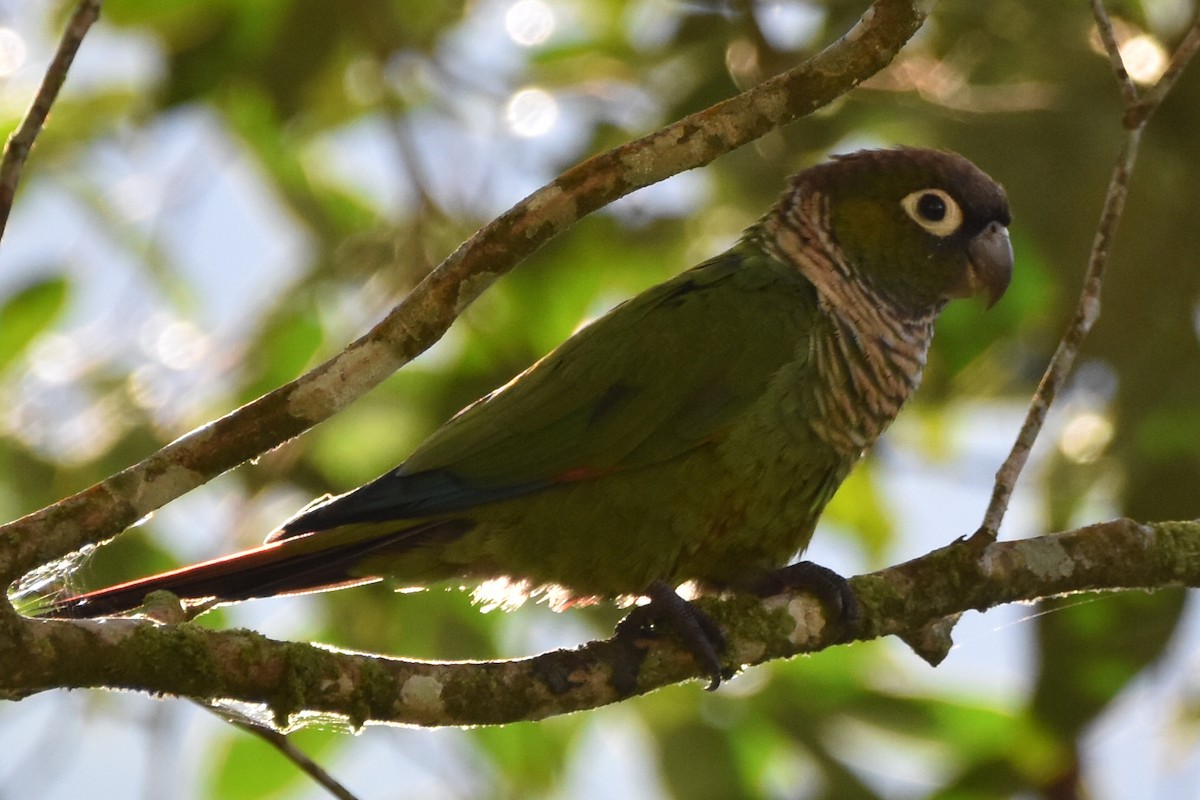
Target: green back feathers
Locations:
point(657, 376)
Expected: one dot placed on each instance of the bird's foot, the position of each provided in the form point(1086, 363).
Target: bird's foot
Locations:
point(703, 637)
point(827, 586)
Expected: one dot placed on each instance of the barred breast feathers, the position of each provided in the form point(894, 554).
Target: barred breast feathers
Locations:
point(872, 359)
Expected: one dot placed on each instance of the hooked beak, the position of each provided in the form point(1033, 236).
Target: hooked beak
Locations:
point(991, 257)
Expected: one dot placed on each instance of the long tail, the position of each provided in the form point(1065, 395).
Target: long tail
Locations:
point(287, 566)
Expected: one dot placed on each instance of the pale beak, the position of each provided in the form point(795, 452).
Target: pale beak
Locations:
point(991, 256)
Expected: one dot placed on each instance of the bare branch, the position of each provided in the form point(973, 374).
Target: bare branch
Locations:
point(16, 150)
point(290, 678)
point(1112, 48)
point(1184, 53)
point(1182, 56)
point(1087, 311)
point(103, 510)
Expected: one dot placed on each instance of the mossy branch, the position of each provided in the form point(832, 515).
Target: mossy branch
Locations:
point(295, 681)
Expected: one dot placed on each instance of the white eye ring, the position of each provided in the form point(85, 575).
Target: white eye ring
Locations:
point(934, 210)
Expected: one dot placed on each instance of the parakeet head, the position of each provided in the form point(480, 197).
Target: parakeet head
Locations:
point(920, 226)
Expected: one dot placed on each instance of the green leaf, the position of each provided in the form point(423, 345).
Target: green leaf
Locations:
point(286, 345)
point(530, 756)
point(28, 313)
point(858, 507)
point(252, 769)
point(1090, 648)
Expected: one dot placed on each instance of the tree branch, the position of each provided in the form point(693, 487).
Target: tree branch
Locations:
point(1087, 311)
point(16, 150)
point(288, 678)
point(106, 508)
point(286, 748)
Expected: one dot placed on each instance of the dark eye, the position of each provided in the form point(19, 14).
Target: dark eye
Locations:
point(931, 207)
point(934, 210)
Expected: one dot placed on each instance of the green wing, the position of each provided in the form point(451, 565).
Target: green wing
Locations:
point(657, 376)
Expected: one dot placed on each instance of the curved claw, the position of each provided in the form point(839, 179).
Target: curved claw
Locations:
point(703, 637)
point(827, 586)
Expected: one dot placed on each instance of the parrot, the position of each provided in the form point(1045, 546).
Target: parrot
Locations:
point(693, 434)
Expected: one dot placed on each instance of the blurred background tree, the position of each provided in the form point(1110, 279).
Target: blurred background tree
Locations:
point(228, 192)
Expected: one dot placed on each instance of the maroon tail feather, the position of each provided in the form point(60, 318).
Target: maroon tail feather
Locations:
point(272, 569)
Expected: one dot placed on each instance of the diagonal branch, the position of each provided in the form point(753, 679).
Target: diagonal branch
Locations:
point(1112, 48)
point(286, 748)
point(289, 678)
point(103, 510)
point(1087, 311)
point(16, 150)
point(1184, 53)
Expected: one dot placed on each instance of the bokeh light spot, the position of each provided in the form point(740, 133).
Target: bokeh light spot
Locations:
point(788, 24)
point(173, 343)
point(1145, 59)
point(1085, 437)
point(529, 22)
point(12, 51)
point(531, 112)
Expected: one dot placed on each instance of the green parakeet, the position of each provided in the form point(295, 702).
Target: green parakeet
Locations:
point(693, 433)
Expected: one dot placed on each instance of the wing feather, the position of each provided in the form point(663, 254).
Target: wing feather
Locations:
point(658, 376)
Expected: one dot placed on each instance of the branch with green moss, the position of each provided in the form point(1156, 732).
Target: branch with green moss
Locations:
point(295, 682)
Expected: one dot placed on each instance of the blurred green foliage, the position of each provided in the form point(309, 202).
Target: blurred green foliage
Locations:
point(380, 135)
point(28, 312)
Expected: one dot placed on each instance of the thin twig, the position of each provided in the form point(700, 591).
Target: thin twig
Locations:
point(16, 150)
point(1086, 313)
point(1184, 53)
point(1137, 113)
point(1179, 60)
point(1108, 37)
point(288, 750)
